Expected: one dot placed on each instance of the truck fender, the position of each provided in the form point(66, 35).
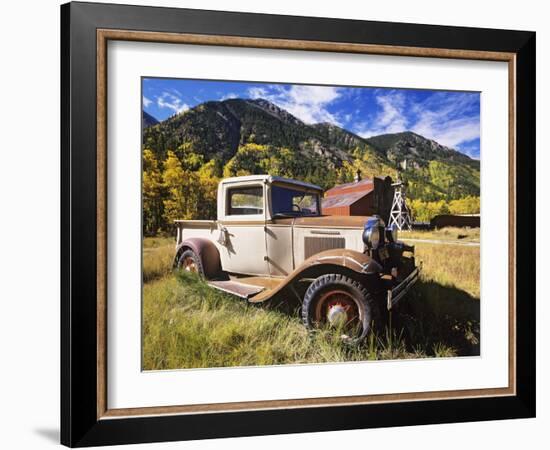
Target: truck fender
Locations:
point(206, 250)
point(349, 259)
point(339, 260)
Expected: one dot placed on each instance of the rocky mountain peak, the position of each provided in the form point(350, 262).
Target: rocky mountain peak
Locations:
point(274, 110)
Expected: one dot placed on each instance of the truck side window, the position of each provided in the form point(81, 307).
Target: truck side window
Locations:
point(245, 201)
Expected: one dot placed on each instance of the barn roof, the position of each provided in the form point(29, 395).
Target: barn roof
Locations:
point(340, 200)
point(365, 185)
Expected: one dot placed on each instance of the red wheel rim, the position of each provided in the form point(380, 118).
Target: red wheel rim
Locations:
point(337, 307)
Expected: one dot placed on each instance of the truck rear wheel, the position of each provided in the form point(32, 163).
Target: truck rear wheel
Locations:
point(338, 301)
point(190, 262)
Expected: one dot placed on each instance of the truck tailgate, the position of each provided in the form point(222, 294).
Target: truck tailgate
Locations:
point(196, 228)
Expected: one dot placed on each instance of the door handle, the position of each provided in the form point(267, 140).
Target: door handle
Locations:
point(223, 237)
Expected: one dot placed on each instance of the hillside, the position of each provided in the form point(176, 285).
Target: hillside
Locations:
point(433, 171)
point(416, 149)
point(241, 136)
point(217, 129)
point(148, 120)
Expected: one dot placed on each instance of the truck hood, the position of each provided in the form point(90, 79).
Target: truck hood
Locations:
point(325, 221)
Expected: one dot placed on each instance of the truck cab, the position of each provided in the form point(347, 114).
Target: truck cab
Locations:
point(257, 214)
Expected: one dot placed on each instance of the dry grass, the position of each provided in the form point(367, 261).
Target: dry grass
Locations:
point(442, 313)
point(158, 255)
point(187, 324)
point(156, 242)
point(450, 265)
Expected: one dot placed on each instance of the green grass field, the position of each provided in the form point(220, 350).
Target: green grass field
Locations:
point(187, 324)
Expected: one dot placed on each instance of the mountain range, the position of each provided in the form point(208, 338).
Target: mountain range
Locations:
point(219, 130)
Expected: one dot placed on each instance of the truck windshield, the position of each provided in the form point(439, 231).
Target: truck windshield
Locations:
point(294, 202)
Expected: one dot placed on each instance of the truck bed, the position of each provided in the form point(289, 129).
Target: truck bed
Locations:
point(196, 228)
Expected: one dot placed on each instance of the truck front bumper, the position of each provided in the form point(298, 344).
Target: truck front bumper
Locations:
point(398, 292)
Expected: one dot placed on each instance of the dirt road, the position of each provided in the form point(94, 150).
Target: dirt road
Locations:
point(441, 241)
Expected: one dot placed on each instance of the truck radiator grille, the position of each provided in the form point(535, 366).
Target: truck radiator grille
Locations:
point(314, 245)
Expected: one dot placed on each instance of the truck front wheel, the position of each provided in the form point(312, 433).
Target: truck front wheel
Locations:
point(190, 262)
point(340, 302)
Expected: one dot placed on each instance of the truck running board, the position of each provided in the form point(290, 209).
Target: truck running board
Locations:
point(239, 289)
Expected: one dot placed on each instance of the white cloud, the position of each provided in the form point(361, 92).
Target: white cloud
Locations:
point(146, 101)
point(171, 101)
point(391, 118)
point(175, 91)
point(257, 92)
point(307, 103)
point(448, 119)
point(450, 133)
point(228, 96)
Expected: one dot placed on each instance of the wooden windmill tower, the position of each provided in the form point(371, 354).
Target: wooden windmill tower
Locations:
point(400, 215)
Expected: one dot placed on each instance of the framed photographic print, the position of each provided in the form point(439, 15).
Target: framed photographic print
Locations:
point(276, 224)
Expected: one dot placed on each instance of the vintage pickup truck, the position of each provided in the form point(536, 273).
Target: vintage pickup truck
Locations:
point(271, 239)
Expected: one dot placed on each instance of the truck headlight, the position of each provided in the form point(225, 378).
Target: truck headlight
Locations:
point(371, 234)
point(391, 233)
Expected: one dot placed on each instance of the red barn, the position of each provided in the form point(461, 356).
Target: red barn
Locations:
point(360, 198)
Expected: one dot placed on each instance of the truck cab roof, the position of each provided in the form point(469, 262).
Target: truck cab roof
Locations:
point(272, 179)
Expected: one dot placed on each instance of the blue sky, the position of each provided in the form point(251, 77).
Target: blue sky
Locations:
point(450, 118)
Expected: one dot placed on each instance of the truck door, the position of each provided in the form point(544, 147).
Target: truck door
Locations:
point(243, 226)
point(278, 235)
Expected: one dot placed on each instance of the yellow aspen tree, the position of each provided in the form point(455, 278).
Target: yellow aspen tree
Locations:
point(175, 184)
point(152, 187)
